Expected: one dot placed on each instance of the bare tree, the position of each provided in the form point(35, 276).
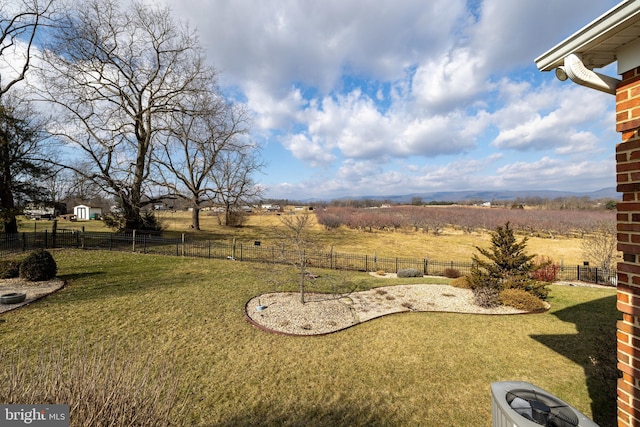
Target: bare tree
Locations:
point(19, 24)
point(599, 246)
point(114, 74)
point(233, 180)
point(295, 232)
point(191, 151)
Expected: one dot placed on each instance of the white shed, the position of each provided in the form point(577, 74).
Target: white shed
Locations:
point(84, 212)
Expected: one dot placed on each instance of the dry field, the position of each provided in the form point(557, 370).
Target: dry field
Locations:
point(451, 245)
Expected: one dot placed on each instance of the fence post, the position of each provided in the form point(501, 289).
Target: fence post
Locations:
point(54, 231)
point(233, 249)
point(133, 241)
point(182, 244)
point(578, 272)
point(426, 267)
point(46, 238)
point(366, 262)
point(82, 238)
point(396, 264)
point(144, 243)
point(24, 242)
point(209, 241)
point(597, 281)
point(110, 242)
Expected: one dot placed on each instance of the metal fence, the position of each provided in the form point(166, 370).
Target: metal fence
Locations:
point(183, 246)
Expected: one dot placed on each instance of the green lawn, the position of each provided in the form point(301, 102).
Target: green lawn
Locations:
point(430, 369)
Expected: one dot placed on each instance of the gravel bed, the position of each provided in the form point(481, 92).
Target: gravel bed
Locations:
point(34, 290)
point(284, 313)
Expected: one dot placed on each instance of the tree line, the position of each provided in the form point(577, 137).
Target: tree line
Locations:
point(102, 100)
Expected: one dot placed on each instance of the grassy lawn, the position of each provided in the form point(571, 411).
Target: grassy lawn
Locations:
point(431, 369)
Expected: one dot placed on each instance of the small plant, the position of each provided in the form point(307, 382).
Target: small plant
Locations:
point(546, 271)
point(461, 282)
point(38, 265)
point(452, 273)
point(521, 300)
point(9, 268)
point(486, 297)
point(409, 272)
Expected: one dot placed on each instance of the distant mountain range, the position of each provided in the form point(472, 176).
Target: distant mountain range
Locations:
point(487, 196)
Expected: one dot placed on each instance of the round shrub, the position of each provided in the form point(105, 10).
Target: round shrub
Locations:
point(521, 300)
point(9, 268)
point(409, 272)
point(38, 265)
point(452, 273)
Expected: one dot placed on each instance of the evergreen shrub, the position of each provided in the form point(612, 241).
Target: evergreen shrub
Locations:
point(521, 300)
point(38, 265)
point(461, 282)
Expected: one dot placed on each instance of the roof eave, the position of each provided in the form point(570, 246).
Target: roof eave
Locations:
point(616, 19)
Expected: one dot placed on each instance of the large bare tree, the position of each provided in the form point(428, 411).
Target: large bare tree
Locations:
point(114, 73)
point(19, 24)
point(191, 150)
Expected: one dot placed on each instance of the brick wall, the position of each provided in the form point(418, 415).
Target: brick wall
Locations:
point(628, 183)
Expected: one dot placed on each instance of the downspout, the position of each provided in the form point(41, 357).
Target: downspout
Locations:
point(575, 69)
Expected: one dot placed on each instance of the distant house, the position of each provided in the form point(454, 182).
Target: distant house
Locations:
point(85, 213)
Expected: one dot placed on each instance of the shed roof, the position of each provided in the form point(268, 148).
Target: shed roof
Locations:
point(600, 42)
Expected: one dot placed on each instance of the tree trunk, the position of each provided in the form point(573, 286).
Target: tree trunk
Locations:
point(7, 204)
point(195, 218)
point(302, 268)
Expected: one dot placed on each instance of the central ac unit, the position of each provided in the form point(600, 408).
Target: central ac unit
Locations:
point(521, 404)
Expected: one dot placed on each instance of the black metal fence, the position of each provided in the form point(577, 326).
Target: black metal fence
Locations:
point(188, 247)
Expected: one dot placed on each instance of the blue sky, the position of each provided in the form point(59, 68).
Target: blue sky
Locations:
point(389, 97)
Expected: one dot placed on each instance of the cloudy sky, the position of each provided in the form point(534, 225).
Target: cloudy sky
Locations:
point(391, 97)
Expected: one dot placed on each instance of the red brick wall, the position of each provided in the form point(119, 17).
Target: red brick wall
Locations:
point(628, 183)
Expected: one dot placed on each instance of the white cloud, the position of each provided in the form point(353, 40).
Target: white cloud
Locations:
point(552, 118)
point(307, 150)
point(451, 80)
point(550, 173)
point(354, 89)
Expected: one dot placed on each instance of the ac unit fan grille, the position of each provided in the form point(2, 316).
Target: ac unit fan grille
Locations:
point(541, 408)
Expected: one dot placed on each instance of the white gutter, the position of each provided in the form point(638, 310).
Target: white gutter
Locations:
point(578, 73)
point(621, 16)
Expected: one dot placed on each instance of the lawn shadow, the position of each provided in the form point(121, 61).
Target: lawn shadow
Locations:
point(95, 285)
point(309, 416)
point(70, 277)
point(593, 348)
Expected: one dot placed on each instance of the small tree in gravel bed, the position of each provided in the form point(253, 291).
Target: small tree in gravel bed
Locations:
point(505, 265)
